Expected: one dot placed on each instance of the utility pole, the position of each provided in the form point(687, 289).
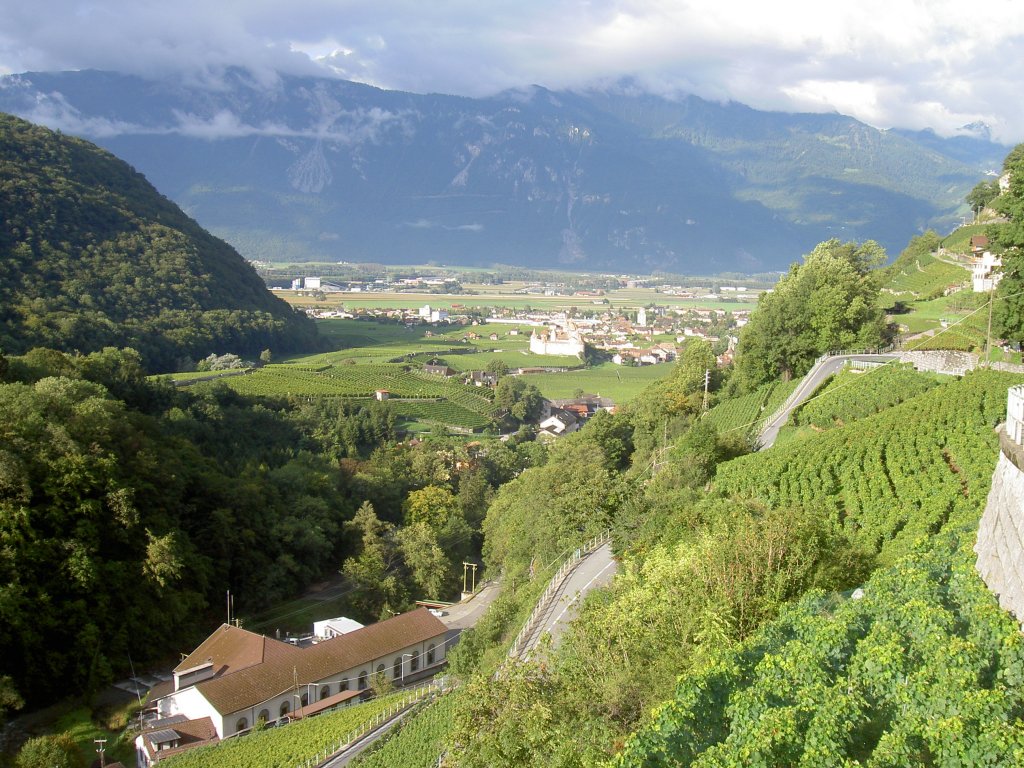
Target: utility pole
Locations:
point(988, 337)
point(465, 570)
point(101, 750)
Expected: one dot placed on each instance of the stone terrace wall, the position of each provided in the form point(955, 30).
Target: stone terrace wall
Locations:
point(1000, 544)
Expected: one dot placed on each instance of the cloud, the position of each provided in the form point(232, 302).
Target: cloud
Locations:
point(428, 224)
point(889, 62)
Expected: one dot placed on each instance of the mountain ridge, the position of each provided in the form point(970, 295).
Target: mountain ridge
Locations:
point(323, 169)
point(95, 257)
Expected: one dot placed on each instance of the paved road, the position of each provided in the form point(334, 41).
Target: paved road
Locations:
point(595, 570)
point(467, 613)
point(806, 388)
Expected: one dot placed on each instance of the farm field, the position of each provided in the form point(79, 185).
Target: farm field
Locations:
point(389, 356)
point(620, 383)
point(622, 298)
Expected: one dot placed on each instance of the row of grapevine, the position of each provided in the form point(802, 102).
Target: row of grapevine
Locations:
point(894, 476)
point(419, 742)
point(923, 669)
point(742, 413)
point(853, 394)
point(284, 746)
point(360, 381)
point(441, 412)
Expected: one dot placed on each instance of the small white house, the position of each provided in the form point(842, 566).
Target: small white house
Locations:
point(986, 273)
point(329, 628)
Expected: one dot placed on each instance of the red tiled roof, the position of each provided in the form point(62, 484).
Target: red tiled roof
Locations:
point(231, 649)
point(256, 684)
point(193, 733)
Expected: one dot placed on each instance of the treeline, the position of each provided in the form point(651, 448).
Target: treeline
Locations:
point(128, 507)
point(93, 256)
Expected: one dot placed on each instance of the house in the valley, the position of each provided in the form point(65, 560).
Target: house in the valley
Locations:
point(437, 369)
point(483, 378)
point(560, 422)
point(237, 678)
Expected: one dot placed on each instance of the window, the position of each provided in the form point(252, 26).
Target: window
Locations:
point(325, 692)
point(285, 709)
point(430, 654)
point(305, 699)
point(264, 717)
point(396, 670)
point(343, 686)
point(241, 725)
point(380, 669)
point(362, 680)
point(414, 662)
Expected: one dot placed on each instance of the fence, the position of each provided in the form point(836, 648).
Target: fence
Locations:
point(416, 696)
point(553, 587)
point(798, 392)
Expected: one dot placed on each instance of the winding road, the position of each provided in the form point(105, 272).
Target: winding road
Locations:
point(814, 379)
point(593, 571)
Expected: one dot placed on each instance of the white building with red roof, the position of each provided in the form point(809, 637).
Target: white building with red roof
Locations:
point(236, 678)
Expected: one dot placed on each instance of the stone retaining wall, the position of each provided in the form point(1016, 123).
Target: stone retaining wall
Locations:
point(1000, 544)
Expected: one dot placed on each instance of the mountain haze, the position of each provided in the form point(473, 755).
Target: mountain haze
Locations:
point(93, 256)
point(306, 168)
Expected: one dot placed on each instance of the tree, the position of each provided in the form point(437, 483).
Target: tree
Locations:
point(1008, 311)
point(58, 751)
point(379, 590)
point(828, 302)
point(429, 568)
point(522, 401)
point(10, 700)
point(982, 194)
point(498, 367)
point(431, 505)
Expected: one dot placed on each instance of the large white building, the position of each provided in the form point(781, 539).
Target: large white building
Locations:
point(236, 678)
point(556, 342)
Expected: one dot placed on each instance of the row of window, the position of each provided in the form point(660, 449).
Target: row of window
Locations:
point(363, 683)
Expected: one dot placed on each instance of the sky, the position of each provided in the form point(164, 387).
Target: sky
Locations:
point(891, 63)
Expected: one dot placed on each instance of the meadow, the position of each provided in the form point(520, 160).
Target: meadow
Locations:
point(371, 355)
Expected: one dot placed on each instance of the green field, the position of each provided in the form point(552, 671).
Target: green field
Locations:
point(621, 298)
point(620, 383)
point(387, 355)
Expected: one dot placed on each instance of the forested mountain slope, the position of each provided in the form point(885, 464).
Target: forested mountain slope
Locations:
point(93, 256)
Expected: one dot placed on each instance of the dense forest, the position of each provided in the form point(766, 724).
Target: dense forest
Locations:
point(128, 507)
point(92, 256)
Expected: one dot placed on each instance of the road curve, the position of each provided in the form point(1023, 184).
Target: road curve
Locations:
point(806, 388)
point(595, 570)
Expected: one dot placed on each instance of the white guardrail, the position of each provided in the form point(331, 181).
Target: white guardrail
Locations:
point(764, 423)
point(553, 587)
point(416, 696)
